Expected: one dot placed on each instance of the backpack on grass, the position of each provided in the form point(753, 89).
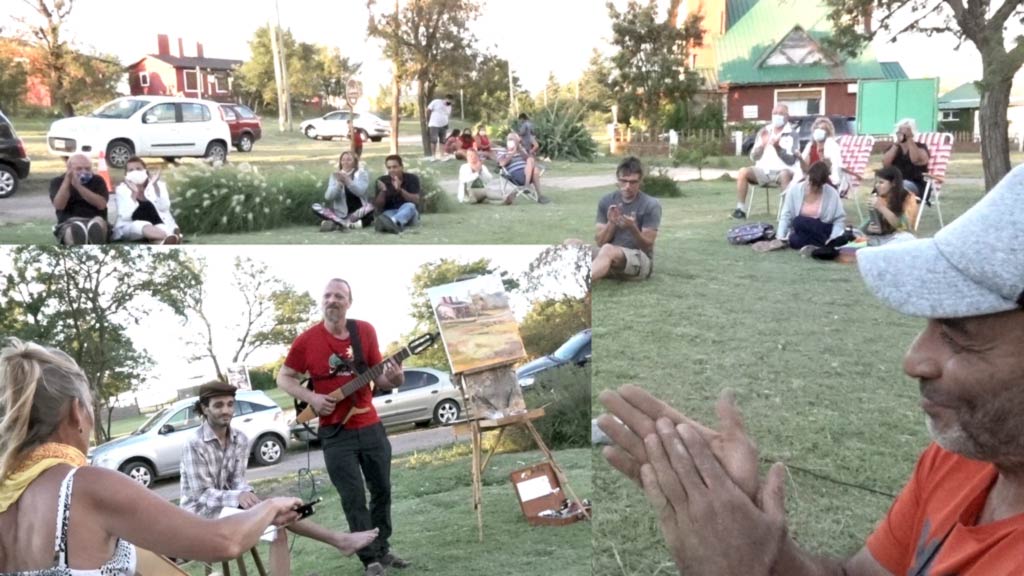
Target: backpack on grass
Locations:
point(750, 232)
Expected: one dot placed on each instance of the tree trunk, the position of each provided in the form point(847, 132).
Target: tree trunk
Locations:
point(421, 90)
point(995, 145)
point(274, 49)
point(396, 109)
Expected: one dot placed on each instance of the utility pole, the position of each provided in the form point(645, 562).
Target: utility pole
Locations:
point(284, 70)
point(511, 91)
point(275, 50)
point(396, 84)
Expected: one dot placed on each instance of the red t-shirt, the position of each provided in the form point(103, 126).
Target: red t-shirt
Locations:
point(311, 352)
point(943, 500)
point(483, 143)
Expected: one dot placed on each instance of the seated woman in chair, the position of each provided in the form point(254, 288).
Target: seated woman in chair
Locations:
point(823, 147)
point(521, 168)
point(892, 209)
point(812, 213)
point(143, 207)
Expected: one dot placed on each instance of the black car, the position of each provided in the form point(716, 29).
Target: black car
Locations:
point(575, 350)
point(14, 162)
point(845, 125)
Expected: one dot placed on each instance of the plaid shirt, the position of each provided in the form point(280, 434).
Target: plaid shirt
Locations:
point(213, 477)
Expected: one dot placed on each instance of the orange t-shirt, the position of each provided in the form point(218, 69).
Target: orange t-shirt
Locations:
point(931, 528)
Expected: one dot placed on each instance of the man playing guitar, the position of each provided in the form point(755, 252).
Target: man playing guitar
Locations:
point(352, 437)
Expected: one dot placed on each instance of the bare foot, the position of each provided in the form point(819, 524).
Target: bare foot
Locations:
point(352, 542)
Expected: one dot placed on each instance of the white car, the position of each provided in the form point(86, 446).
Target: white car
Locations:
point(161, 126)
point(335, 125)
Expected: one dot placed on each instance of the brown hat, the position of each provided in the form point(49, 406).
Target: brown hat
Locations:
point(216, 388)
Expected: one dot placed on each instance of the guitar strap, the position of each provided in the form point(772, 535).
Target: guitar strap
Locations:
point(357, 365)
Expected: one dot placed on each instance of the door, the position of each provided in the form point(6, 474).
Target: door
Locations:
point(168, 447)
point(196, 127)
point(160, 132)
point(413, 401)
point(335, 124)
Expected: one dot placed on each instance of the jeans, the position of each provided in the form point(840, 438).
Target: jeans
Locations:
point(406, 215)
point(350, 456)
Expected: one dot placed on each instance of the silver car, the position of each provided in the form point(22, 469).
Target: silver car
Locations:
point(427, 396)
point(154, 450)
point(335, 125)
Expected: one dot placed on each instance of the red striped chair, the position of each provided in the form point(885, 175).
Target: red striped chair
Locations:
point(940, 148)
point(856, 153)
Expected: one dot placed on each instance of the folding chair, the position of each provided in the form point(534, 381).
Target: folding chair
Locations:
point(856, 153)
point(510, 187)
point(751, 192)
point(940, 148)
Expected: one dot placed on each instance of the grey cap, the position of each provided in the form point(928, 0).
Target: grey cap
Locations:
point(973, 267)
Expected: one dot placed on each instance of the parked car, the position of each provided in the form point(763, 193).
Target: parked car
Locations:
point(246, 127)
point(845, 125)
point(335, 125)
point(575, 350)
point(154, 450)
point(163, 126)
point(427, 396)
point(14, 161)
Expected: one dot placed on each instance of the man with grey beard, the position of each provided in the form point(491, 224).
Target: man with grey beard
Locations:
point(962, 511)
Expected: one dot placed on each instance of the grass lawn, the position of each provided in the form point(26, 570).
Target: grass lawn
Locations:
point(127, 425)
point(435, 524)
point(814, 358)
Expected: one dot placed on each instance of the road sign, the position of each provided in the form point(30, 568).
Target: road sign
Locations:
point(353, 91)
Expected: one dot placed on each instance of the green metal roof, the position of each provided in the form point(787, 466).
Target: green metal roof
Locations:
point(893, 71)
point(966, 97)
point(735, 10)
point(741, 50)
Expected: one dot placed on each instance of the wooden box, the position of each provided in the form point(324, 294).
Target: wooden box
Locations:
point(538, 489)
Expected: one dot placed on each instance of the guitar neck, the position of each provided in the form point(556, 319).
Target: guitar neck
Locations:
point(363, 379)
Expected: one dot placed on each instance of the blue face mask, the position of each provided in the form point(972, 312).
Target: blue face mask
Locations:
point(85, 177)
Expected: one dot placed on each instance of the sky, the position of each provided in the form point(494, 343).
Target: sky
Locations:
point(380, 277)
point(538, 37)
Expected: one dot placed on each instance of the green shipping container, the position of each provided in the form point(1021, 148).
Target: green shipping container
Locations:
point(881, 103)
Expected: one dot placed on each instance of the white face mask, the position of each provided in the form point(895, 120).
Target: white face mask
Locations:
point(778, 120)
point(137, 177)
point(819, 134)
point(511, 144)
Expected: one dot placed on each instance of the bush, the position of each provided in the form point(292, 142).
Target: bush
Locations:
point(435, 199)
point(231, 199)
point(561, 131)
point(262, 379)
point(660, 185)
point(565, 395)
point(696, 153)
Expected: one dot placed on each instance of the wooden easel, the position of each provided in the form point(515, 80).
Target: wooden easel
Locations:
point(477, 426)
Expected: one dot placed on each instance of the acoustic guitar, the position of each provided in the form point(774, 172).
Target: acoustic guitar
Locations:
point(417, 346)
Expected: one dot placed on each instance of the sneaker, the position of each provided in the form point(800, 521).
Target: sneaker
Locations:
point(79, 235)
point(806, 251)
point(543, 200)
point(328, 226)
point(171, 239)
point(96, 233)
point(739, 214)
point(385, 224)
point(509, 199)
point(389, 560)
point(374, 569)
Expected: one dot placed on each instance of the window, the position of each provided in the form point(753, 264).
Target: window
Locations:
point(242, 407)
point(194, 113)
point(144, 79)
point(413, 380)
point(244, 112)
point(160, 114)
point(184, 419)
point(802, 102)
point(229, 114)
point(218, 82)
point(191, 81)
point(949, 116)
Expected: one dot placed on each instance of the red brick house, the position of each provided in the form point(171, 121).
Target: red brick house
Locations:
point(194, 76)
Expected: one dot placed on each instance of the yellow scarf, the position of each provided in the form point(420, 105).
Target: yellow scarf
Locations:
point(33, 464)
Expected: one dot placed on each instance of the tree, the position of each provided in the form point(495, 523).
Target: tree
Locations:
point(650, 62)
point(83, 301)
point(551, 322)
point(46, 29)
point(423, 40)
point(982, 22)
point(485, 87)
point(13, 75)
point(595, 84)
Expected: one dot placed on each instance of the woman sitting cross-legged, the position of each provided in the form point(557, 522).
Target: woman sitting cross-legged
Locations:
point(144, 207)
point(811, 215)
point(348, 200)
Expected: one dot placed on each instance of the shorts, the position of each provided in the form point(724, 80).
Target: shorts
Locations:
point(639, 265)
point(518, 177)
point(438, 134)
point(769, 177)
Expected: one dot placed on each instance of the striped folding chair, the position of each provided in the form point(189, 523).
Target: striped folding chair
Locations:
point(940, 148)
point(856, 152)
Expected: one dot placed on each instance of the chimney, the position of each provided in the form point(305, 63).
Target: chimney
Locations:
point(199, 50)
point(181, 49)
point(163, 45)
point(866, 16)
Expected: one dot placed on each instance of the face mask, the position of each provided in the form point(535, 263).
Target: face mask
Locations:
point(137, 177)
point(511, 145)
point(84, 177)
point(778, 120)
point(819, 134)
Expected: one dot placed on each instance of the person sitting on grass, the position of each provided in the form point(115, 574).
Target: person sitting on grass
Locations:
point(891, 209)
point(398, 202)
point(627, 226)
point(348, 195)
point(79, 198)
point(811, 215)
point(213, 468)
point(144, 207)
point(474, 181)
point(521, 168)
point(483, 144)
point(962, 509)
point(453, 146)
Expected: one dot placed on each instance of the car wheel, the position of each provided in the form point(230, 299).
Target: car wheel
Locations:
point(171, 159)
point(118, 153)
point(8, 181)
point(311, 132)
point(216, 151)
point(376, 138)
point(139, 471)
point(268, 450)
point(245, 143)
point(446, 412)
point(423, 424)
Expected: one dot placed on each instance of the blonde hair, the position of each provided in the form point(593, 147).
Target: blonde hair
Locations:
point(37, 385)
point(826, 123)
